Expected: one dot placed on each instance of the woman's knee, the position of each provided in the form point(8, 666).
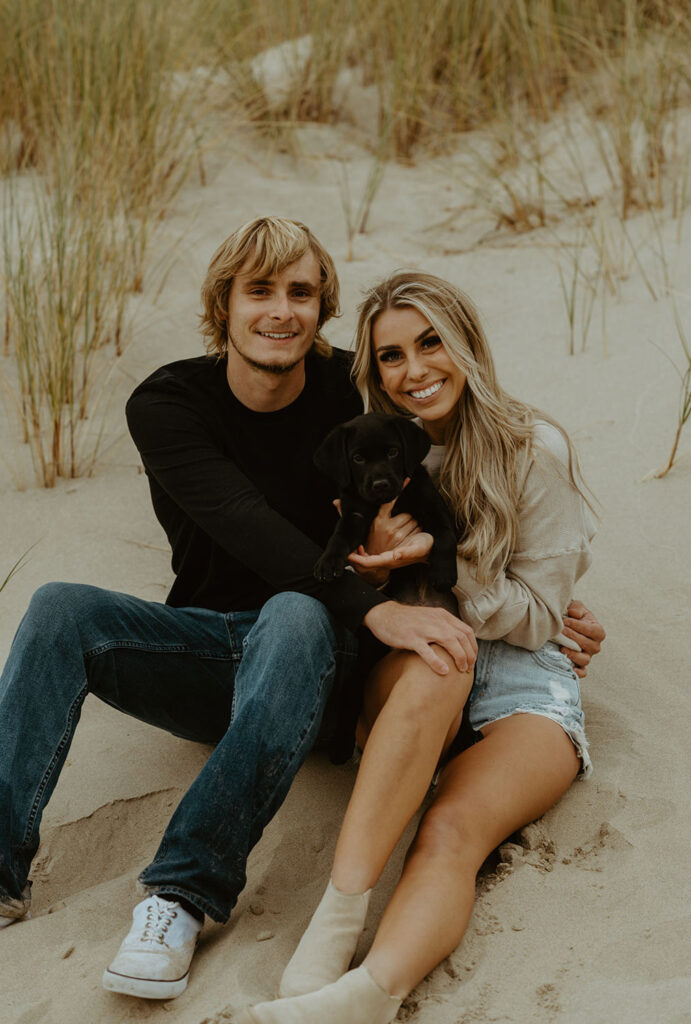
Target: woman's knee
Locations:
point(421, 691)
point(453, 831)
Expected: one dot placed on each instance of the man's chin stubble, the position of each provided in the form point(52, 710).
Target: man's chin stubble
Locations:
point(277, 369)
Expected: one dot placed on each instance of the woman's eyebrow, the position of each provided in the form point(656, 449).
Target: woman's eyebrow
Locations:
point(423, 334)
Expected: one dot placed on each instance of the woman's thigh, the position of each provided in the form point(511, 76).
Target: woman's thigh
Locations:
point(523, 764)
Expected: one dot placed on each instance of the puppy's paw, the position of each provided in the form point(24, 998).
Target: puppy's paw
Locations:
point(329, 568)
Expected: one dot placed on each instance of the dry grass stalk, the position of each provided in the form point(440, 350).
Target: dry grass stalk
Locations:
point(65, 267)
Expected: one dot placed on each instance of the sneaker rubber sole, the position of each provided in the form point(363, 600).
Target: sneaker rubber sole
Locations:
point(144, 988)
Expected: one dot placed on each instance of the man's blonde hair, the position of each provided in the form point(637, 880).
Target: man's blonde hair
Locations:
point(263, 247)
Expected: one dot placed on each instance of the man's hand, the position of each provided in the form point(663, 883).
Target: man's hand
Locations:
point(581, 625)
point(415, 628)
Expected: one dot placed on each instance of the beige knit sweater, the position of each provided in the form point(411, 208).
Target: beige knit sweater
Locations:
point(525, 603)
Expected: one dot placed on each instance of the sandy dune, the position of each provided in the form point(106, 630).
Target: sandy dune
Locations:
point(582, 919)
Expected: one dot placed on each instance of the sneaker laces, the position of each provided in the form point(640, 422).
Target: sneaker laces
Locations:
point(158, 921)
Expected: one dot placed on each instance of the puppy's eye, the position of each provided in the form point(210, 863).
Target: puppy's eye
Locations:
point(392, 453)
point(358, 458)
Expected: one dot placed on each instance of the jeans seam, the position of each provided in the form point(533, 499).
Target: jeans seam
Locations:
point(159, 649)
point(76, 703)
point(292, 754)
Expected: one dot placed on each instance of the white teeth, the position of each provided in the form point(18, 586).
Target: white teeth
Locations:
point(268, 334)
point(431, 390)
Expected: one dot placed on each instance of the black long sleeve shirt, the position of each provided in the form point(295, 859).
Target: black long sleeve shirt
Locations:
point(246, 512)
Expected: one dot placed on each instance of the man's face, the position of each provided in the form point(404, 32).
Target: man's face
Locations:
point(272, 321)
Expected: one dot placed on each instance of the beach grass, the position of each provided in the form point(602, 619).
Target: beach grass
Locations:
point(103, 104)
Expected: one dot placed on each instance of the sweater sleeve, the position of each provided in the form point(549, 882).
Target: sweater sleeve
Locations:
point(178, 450)
point(524, 604)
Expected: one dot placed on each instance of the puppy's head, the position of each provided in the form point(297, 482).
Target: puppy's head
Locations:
point(372, 455)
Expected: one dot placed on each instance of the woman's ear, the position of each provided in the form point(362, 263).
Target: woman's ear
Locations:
point(415, 443)
point(331, 457)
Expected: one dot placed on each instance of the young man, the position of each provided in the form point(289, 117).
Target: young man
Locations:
point(249, 645)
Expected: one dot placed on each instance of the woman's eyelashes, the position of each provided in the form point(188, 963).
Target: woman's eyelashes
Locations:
point(394, 355)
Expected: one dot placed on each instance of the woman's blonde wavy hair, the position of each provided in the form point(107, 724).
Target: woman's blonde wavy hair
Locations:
point(263, 247)
point(488, 442)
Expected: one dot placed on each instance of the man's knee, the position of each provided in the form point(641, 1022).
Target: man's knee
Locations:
point(297, 618)
point(54, 601)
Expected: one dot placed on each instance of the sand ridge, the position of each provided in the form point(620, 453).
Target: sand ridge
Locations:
point(581, 916)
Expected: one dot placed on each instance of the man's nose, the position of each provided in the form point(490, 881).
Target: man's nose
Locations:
point(281, 308)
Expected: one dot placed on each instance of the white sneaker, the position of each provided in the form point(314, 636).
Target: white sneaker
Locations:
point(12, 911)
point(154, 959)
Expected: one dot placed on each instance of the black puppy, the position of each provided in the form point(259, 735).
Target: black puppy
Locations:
point(369, 458)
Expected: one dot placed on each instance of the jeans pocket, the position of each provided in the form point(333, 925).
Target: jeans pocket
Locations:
point(550, 657)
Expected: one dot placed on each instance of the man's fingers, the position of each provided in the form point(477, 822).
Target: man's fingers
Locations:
point(436, 663)
point(586, 642)
point(579, 658)
point(576, 610)
point(587, 627)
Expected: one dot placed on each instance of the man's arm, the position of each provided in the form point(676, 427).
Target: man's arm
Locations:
point(178, 452)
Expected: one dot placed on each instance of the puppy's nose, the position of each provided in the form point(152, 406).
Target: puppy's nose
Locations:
point(381, 485)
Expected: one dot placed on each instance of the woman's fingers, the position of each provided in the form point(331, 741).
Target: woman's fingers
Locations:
point(414, 549)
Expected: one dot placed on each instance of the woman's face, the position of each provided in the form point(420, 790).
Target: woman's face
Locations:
point(415, 370)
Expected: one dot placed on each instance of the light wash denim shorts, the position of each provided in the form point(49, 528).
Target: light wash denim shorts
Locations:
point(510, 680)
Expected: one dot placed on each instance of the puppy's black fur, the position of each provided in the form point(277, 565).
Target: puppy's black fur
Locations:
point(369, 458)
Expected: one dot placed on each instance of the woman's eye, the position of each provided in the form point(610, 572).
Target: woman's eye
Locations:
point(431, 341)
point(392, 453)
point(358, 458)
point(389, 357)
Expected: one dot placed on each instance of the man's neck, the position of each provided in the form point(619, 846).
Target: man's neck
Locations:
point(261, 390)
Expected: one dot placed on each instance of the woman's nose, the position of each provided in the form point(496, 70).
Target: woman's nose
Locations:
point(416, 369)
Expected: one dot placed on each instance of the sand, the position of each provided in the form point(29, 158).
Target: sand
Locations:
point(584, 918)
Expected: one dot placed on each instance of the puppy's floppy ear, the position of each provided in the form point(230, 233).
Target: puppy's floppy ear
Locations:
point(331, 457)
point(415, 443)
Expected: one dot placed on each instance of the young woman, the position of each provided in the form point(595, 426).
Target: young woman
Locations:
point(511, 476)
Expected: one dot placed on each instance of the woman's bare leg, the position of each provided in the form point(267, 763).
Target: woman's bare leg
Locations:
point(512, 776)
point(411, 714)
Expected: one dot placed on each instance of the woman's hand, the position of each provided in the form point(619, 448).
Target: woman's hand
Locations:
point(385, 534)
point(581, 625)
point(414, 549)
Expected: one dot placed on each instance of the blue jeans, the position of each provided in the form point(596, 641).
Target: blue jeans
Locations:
point(255, 684)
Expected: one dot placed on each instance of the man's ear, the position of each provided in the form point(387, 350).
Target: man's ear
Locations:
point(331, 457)
point(415, 443)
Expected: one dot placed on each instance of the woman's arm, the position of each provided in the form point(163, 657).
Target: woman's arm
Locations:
point(525, 602)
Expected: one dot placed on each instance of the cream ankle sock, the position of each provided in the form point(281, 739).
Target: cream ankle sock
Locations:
point(356, 998)
point(327, 947)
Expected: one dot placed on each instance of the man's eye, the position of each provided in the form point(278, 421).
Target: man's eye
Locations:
point(392, 453)
point(358, 458)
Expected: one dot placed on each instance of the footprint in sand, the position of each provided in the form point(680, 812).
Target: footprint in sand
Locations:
point(116, 839)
